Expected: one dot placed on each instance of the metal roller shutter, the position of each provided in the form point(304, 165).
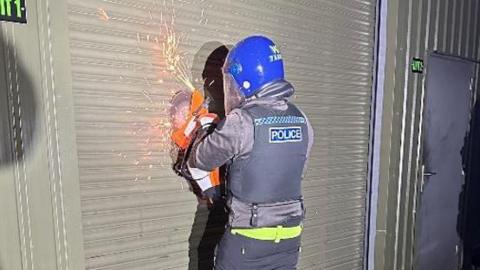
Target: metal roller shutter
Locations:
point(136, 213)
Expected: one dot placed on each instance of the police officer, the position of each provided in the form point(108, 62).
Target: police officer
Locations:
point(265, 141)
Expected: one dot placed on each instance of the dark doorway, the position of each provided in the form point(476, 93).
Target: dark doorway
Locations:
point(446, 121)
point(470, 227)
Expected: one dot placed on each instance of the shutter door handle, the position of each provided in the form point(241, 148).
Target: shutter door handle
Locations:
point(429, 174)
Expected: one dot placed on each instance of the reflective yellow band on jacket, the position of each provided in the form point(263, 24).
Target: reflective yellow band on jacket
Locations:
point(270, 233)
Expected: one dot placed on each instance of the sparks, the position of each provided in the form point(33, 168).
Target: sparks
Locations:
point(169, 63)
point(167, 52)
point(174, 58)
point(102, 15)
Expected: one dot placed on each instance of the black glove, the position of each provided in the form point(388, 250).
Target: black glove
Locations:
point(214, 193)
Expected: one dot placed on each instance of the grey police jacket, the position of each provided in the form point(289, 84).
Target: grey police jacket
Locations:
point(265, 144)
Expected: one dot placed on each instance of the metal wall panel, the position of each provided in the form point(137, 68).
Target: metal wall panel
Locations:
point(447, 27)
point(39, 187)
point(136, 213)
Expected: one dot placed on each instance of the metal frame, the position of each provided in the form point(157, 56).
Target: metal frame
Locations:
point(471, 137)
point(375, 133)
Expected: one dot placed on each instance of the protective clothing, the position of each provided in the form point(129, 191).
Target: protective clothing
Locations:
point(233, 97)
point(234, 136)
point(191, 120)
point(208, 186)
point(234, 142)
point(254, 215)
point(275, 234)
point(253, 63)
point(265, 142)
point(279, 134)
point(266, 191)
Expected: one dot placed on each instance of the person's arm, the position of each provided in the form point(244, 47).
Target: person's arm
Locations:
point(232, 137)
point(311, 136)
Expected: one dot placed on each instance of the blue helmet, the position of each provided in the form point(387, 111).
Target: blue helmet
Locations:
point(254, 62)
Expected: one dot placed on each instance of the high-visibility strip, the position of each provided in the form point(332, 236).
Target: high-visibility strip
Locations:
point(270, 233)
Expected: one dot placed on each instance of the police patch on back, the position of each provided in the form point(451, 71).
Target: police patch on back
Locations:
point(285, 134)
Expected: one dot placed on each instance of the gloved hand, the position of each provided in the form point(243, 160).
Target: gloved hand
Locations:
point(214, 193)
point(199, 176)
point(207, 123)
point(203, 181)
point(196, 130)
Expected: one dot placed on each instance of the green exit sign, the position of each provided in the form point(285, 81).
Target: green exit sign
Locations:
point(13, 11)
point(417, 65)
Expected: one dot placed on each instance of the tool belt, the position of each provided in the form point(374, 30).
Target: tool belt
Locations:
point(275, 234)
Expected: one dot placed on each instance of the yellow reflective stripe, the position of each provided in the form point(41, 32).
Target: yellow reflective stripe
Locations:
point(273, 234)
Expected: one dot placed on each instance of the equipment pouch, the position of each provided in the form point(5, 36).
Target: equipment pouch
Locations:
point(245, 215)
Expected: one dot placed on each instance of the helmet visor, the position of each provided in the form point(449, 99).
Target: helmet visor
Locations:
point(233, 97)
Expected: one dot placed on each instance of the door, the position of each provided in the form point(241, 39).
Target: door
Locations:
point(137, 214)
point(447, 114)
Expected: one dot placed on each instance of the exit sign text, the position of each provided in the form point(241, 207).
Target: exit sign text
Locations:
point(13, 11)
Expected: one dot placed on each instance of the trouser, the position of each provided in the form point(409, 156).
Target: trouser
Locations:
point(237, 252)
